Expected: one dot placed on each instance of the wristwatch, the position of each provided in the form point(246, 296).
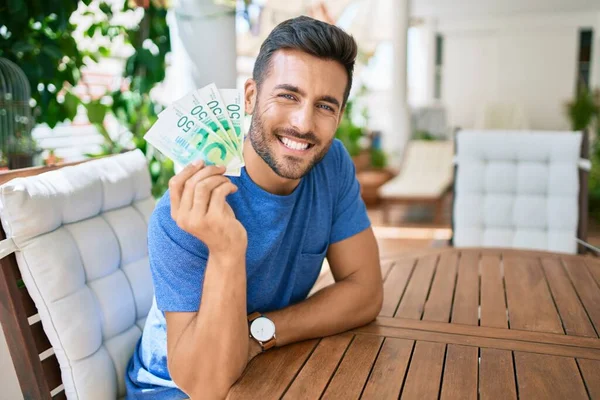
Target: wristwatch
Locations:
point(262, 329)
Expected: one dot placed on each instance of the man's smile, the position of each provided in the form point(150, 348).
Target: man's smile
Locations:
point(294, 144)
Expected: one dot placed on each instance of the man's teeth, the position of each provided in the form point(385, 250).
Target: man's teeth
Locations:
point(294, 145)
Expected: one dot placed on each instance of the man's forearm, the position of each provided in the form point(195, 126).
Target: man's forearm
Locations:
point(337, 308)
point(214, 347)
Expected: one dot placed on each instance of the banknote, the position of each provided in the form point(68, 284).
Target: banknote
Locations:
point(183, 139)
point(193, 105)
point(210, 94)
point(234, 105)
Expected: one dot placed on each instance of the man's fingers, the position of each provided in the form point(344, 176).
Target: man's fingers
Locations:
point(202, 193)
point(217, 198)
point(187, 198)
point(177, 183)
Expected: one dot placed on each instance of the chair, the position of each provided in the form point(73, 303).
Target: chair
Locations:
point(75, 283)
point(521, 190)
point(425, 177)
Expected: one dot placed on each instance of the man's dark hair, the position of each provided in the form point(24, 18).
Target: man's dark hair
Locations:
point(311, 36)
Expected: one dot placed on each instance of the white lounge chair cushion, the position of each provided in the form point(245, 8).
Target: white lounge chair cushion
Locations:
point(426, 171)
point(81, 237)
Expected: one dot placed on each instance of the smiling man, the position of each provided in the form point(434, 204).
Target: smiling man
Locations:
point(233, 259)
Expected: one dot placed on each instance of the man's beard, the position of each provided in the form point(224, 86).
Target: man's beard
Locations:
point(289, 167)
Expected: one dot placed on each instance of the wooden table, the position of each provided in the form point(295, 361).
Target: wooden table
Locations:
point(502, 323)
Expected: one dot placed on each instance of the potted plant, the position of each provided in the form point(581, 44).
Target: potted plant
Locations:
point(584, 113)
point(354, 136)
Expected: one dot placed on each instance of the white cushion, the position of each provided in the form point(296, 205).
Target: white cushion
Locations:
point(517, 190)
point(426, 171)
point(82, 251)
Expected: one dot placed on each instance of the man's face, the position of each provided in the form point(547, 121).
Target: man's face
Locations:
point(296, 111)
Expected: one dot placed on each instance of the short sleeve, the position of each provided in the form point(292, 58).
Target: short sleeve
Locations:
point(349, 212)
point(177, 261)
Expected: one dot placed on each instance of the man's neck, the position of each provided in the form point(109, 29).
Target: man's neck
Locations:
point(262, 175)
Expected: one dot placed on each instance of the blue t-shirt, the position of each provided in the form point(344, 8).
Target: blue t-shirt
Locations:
point(288, 237)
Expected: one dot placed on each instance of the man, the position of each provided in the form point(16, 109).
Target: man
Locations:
point(233, 260)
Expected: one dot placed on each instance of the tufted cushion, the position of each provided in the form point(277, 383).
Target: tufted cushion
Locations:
point(517, 190)
point(81, 237)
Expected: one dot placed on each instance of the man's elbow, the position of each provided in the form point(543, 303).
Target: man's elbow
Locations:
point(377, 302)
point(210, 383)
point(374, 303)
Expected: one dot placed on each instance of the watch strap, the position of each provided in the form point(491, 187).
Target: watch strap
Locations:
point(253, 316)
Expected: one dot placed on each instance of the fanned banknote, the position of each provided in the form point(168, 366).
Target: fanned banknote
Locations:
point(205, 124)
point(234, 106)
point(193, 105)
point(183, 139)
point(210, 94)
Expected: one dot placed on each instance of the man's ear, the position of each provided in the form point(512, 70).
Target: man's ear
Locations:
point(250, 93)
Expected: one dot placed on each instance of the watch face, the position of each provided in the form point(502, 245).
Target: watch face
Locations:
point(262, 329)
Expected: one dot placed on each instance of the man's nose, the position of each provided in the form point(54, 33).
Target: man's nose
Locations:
point(302, 119)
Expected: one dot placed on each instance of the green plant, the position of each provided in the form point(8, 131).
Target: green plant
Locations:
point(584, 113)
point(378, 158)
point(348, 132)
point(424, 135)
point(133, 106)
point(38, 36)
point(583, 110)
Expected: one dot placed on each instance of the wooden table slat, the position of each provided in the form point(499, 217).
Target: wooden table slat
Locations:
point(352, 373)
point(590, 370)
point(544, 376)
point(394, 285)
point(466, 294)
point(497, 375)
point(425, 371)
point(269, 374)
point(316, 373)
point(493, 304)
point(414, 298)
point(460, 373)
point(587, 288)
point(386, 266)
point(530, 305)
point(572, 313)
point(479, 341)
point(483, 331)
point(385, 381)
point(439, 302)
point(593, 265)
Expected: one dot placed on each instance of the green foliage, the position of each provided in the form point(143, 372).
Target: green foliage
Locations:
point(424, 135)
point(584, 113)
point(348, 132)
point(37, 36)
point(378, 158)
point(583, 110)
point(144, 69)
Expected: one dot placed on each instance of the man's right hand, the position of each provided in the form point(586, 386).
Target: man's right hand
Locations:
point(198, 207)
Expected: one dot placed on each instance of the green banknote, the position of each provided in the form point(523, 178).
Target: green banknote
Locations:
point(193, 105)
point(181, 138)
point(234, 105)
point(210, 94)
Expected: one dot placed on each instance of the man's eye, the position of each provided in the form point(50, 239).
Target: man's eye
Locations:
point(287, 96)
point(326, 107)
